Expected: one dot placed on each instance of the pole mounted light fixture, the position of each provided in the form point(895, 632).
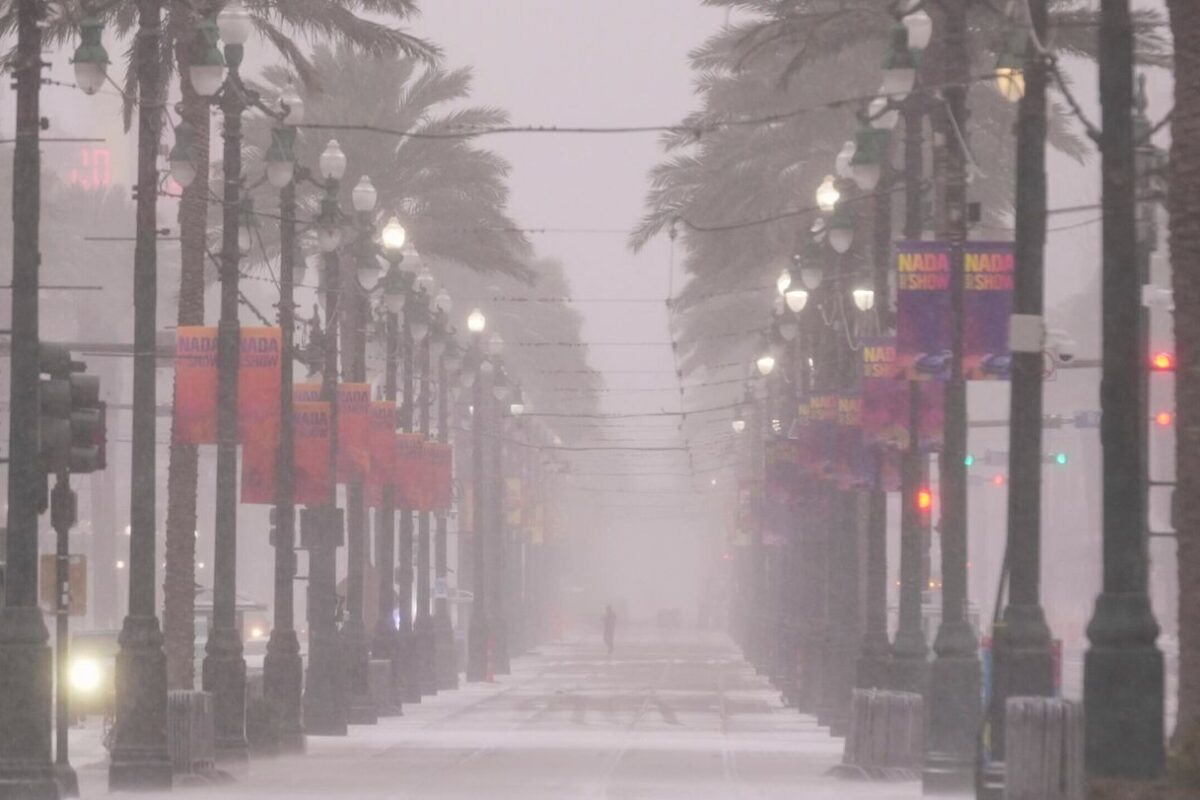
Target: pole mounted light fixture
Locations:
point(864, 298)
point(281, 157)
point(476, 321)
point(866, 166)
point(207, 70)
point(882, 114)
point(828, 195)
point(183, 155)
point(364, 196)
point(495, 344)
point(1010, 67)
point(842, 161)
point(919, 25)
point(841, 229)
point(91, 59)
point(765, 364)
point(899, 68)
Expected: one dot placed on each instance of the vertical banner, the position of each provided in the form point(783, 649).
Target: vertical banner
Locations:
point(853, 464)
point(885, 390)
point(353, 431)
point(382, 451)
point(782, 490)
point(923, 335)
point(306, 393)
point(987, 306)
point(195, 385)
point(258, 473)
point(441, 464)
point(824, 416)
point(409, 466)
point(259, 385)
point(514, 502)
point(313, 481)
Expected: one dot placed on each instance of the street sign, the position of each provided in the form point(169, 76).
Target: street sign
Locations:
point(76, 584)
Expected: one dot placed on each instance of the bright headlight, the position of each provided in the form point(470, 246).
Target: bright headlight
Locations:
point(85, 675)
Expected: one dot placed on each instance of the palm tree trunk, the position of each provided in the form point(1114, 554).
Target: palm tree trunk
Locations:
point(179, 597)
point(1184, 208)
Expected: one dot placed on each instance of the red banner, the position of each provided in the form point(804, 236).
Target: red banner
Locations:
point(383, 451)
point(411, 472)
point(306, 393)
point(195, 385)
point(258, 473)
point(353, 431)
point(259, 386)
point(441, 468)
point(314, 484)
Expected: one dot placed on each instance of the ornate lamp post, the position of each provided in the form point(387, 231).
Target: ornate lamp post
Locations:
point(283, 669)
point(224, 670)
point(478, 636)
point(385, 641)
point(325, 688)
point(498, 616)
point(424, 641)
point(444, 654)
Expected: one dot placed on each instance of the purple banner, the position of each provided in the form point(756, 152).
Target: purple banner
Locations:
point(824, 431)
point(923, 310)
point(884, 395)
point(987, 306)
point(853, 463)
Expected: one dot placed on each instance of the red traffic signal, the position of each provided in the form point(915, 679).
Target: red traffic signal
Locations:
point(924, 500)
point(1164, 419)
point(1162, 361)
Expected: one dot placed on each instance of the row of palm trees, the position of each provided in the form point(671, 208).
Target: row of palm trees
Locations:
point(349, 60)
point(767, 61)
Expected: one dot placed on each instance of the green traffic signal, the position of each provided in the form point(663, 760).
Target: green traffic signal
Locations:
point(969, 460)
point(1060, 459)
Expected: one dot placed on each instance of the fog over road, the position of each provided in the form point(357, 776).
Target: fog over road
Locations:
point(683, 718)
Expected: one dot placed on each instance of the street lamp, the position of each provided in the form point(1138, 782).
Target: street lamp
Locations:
point(864, 298)
point(866, 166)
point(739, 420)
point(283, 667)
point(920, 29)
point(516, 405)
point(224, 668)
point(183, 154)
point(1010, 67)
point(765, 364)
point(841, 229)
point(91, 59)
point(828, 195)
point(478, 638)
point(899, 68)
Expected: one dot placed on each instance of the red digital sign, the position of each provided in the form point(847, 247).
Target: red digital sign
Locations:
point(92, 169)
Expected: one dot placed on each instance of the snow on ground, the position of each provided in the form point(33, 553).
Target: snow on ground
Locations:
point(684, 718)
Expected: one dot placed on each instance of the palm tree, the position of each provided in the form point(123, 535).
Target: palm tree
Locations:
point(283, 26)
point(1184, 208)
point(740, 196)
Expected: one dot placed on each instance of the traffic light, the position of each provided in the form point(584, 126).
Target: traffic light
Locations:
point(1162, 361)
point(87, 425)
point(1060, 459)
point(72, 425)
point(969, 460)
point(1164, 419)
point(54, 406)
point(924, 500)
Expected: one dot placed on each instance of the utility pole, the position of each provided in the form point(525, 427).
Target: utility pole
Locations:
point(408, 648)
point(325, 688)
point(954, 708)
point(1021, 646)
point(443, 631)
point(910, 650)
point(1123, 680)
point(62, 519)
point(478, 638)
point(423, 635)
point(499, 532)
point(224, 670)
point(139, 756)
point(361, 708)
point(25, 766)
point(385, 641)
point(283, 669)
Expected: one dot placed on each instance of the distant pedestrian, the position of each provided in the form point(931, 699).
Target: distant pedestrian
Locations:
point(610, 628)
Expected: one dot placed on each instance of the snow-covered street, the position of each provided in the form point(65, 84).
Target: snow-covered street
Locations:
point(681, 718)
